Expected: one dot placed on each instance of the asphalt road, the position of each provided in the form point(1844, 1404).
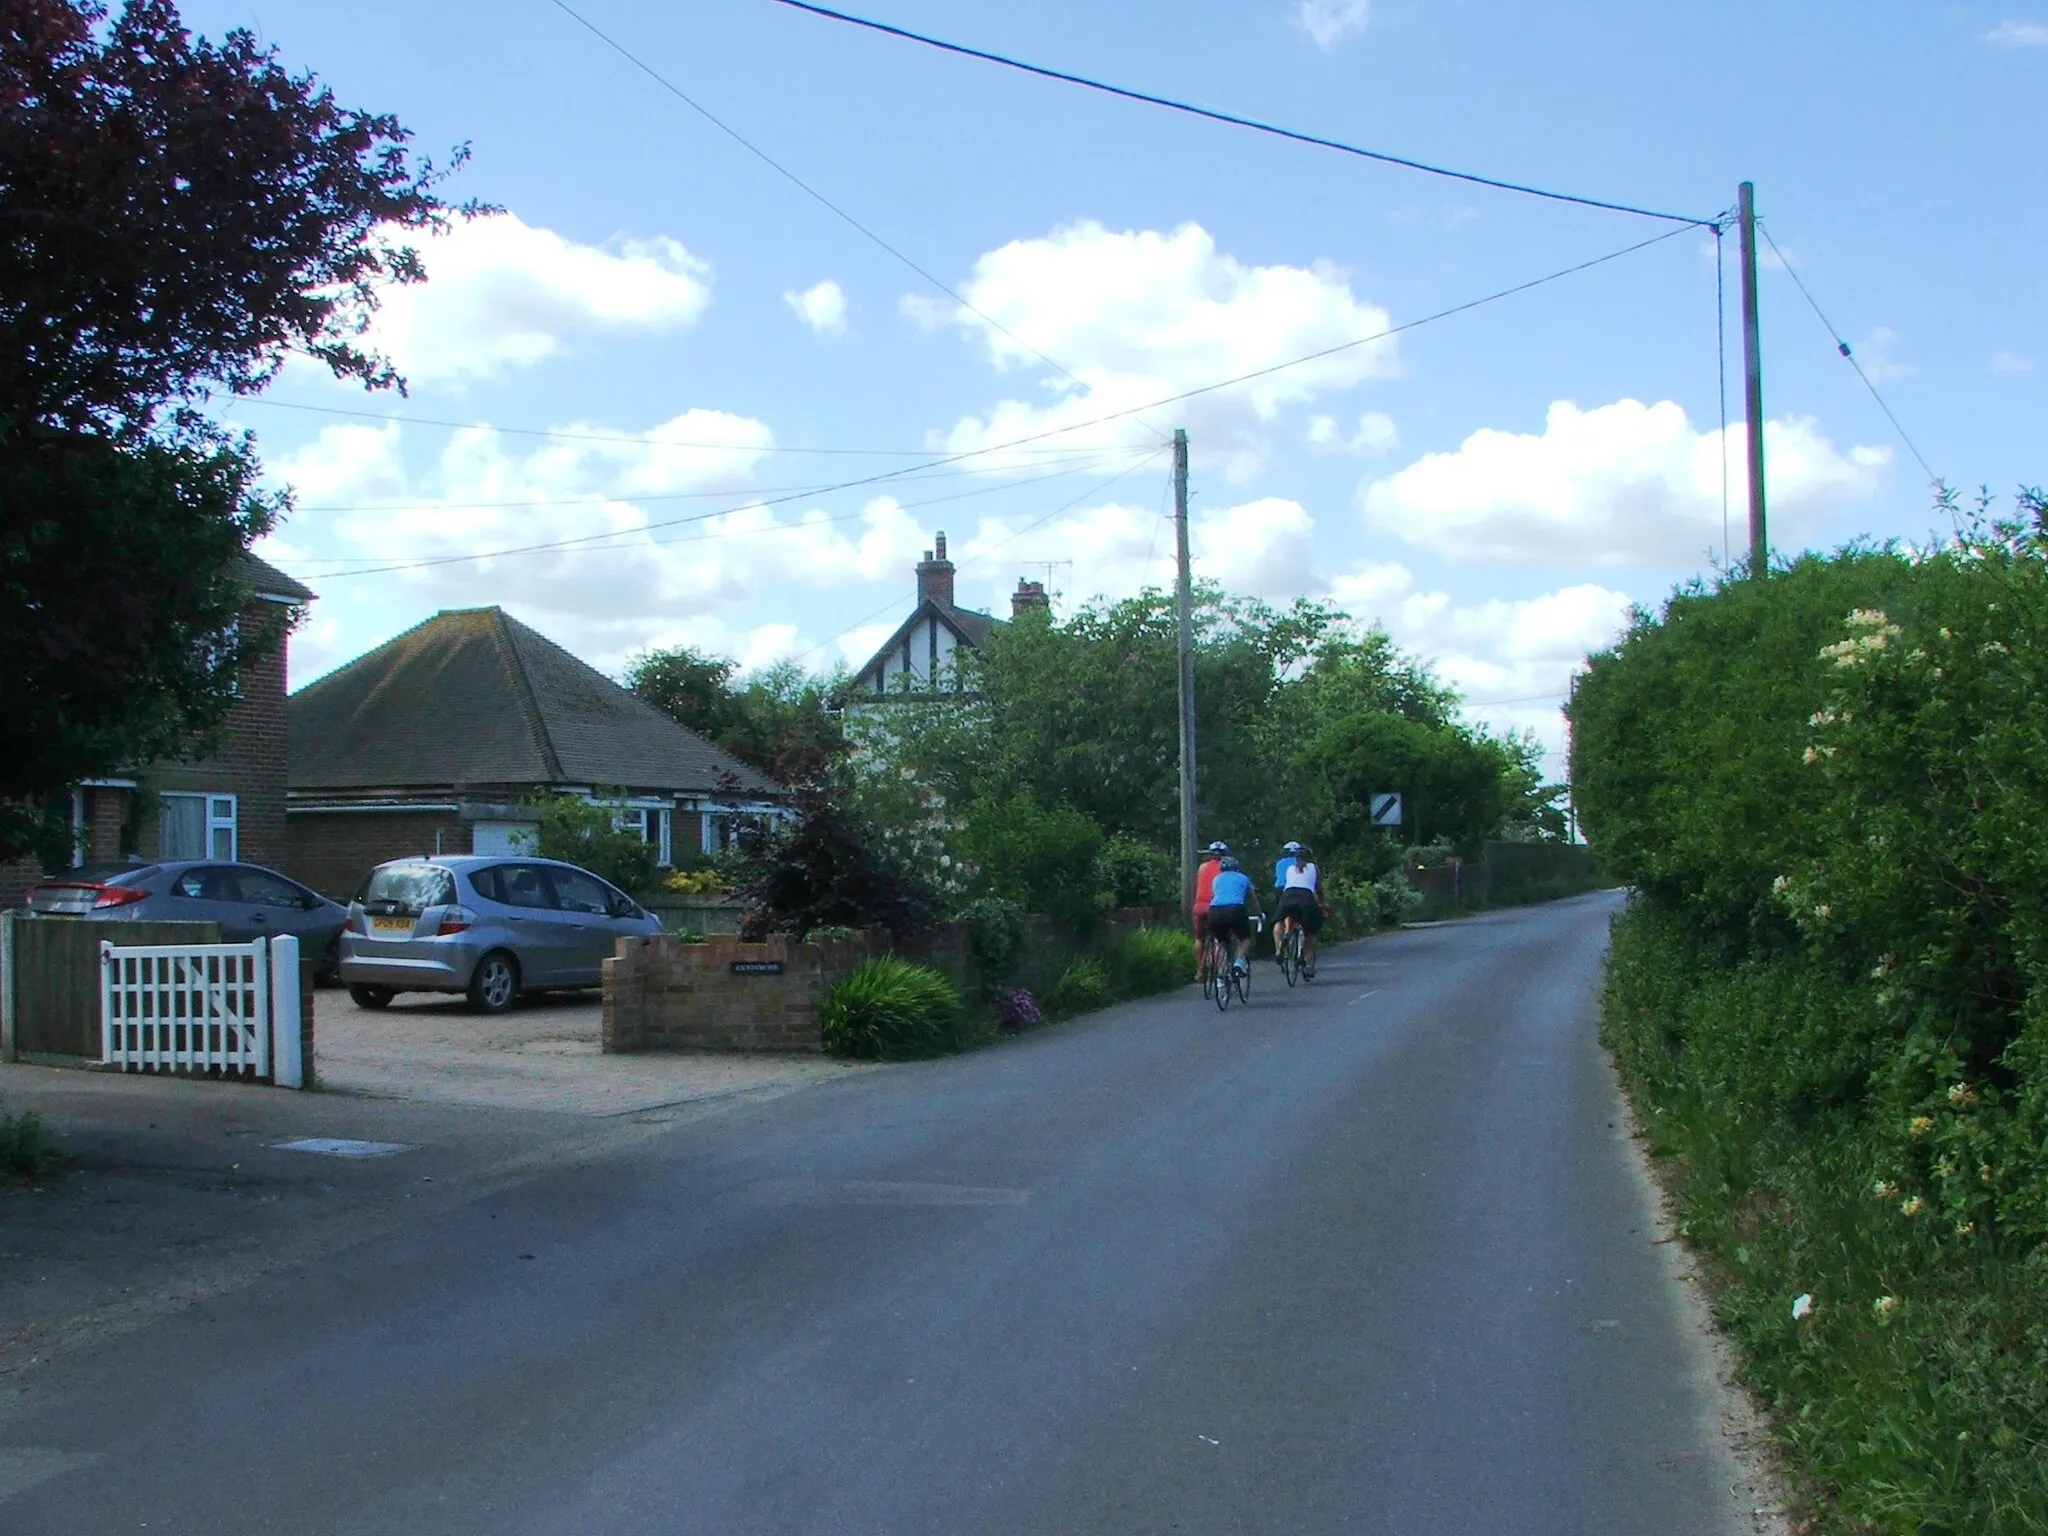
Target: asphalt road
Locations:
point(1366, 1256)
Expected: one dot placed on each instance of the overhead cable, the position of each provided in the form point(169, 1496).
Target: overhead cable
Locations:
point(798, 182)
point(885, 476)
point(1231, 118)
point(1842, 347)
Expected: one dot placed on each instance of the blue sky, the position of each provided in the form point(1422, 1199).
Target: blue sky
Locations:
point(1495, 488)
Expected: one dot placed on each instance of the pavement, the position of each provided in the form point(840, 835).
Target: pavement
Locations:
point(1375, 1254)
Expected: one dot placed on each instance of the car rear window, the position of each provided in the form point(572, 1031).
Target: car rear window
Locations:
point(409, 888)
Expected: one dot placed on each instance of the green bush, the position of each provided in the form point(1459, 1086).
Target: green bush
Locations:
point(1042, 858)
point(995, 937)
point(890, 1010)
point(1135, 874)
point(26, 1149)
point(1830, 997)
point(1082, 988)
point(577, 832)
point(1141, 961)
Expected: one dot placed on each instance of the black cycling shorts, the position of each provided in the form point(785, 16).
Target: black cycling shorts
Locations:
point(1229, 923)
point(1301, 905)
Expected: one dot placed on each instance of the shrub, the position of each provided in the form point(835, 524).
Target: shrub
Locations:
point(1017, 1010)
point(1391, 899)
point(704, 881)
point(890, 1010)
point(1142, 961)
point(577, 832)
point(26, 1149)
point(1082, 988)
point(1041, 858)
point(828, 868)
point(1135, 874)
point(995, 937)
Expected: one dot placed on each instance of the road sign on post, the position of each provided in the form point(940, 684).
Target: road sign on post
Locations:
point(1386, 810)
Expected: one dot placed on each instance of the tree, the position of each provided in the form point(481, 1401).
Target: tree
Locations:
point(176, 218)
point(780, 720)
point(587, 834)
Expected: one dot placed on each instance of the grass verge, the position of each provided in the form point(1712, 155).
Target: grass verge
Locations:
point(1910, 1393)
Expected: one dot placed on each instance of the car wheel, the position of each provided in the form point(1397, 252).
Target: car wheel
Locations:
point(370, 997)
point(328, 967)
point(495, 983)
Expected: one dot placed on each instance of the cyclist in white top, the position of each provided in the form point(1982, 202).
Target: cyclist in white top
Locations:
point(1300, 886)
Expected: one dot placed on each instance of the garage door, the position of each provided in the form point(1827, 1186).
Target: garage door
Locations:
point(502, 837)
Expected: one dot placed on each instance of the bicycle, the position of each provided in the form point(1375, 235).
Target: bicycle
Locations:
point(1221, 979)
point(1290, 953)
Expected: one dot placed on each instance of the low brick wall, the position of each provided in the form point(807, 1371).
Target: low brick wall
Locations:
point(662, 995)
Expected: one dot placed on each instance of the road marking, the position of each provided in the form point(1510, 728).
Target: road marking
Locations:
point(1375, 992)
point(24, 1467)
point(340, 1146)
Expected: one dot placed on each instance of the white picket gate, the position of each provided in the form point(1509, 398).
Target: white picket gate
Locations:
point(203, 1009)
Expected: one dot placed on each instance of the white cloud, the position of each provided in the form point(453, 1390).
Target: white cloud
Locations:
point(822, 307)
point(1375, 437)
point(502, 295)
point(1142, 315)
point(1622, 484)
point(2012, 362)
point(1875, 354)
point(2014, 33)
point(1329, 22)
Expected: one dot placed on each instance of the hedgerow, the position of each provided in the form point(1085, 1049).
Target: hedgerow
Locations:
point(1829, 792)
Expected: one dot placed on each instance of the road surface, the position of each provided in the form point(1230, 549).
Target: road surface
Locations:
point(1367, 1256)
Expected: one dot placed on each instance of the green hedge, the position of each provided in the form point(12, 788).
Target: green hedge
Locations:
point(1829, 791)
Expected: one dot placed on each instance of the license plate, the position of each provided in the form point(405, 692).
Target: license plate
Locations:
point(391, 925)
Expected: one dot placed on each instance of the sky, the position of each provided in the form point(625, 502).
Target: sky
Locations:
point(733, 396)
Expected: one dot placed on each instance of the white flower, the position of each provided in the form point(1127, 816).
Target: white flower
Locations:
point(1801, 1305)
point(1884, 1307)
point(1912, 1206)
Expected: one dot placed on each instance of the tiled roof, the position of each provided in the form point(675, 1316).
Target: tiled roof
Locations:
point(474, 697)
point(971, 625)
point(268, 580)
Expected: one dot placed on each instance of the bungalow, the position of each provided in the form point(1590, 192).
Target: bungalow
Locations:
point(441, 740)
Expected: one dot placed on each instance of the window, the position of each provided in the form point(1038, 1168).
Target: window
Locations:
point(409, 889)
point(578, 892)
point(196, 827)
point(515, 885)
point(209, 882)
point(261, 888)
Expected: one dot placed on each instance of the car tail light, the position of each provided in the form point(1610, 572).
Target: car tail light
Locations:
point(455, 920)
point(105, 896)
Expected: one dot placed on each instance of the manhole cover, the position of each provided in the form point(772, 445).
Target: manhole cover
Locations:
point(340, 1146)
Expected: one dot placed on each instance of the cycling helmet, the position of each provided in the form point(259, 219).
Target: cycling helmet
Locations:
point(1219, 847)
point(1291, 848)
point(1230, 863)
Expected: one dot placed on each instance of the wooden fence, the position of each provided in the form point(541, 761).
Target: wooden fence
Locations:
point(52, 981)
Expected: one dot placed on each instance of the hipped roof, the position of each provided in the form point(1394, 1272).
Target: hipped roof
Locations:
point(474, 697)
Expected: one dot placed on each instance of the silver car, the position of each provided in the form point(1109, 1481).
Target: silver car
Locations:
point(488, 927)
point(247, 900)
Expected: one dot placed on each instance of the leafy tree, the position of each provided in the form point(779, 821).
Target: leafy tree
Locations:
point(176, 218)
point(780, 720)
point(1043, 858)
point(828, 867)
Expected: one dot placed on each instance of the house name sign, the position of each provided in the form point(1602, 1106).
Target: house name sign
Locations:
point(757, 967)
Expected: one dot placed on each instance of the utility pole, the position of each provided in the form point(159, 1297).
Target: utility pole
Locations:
point(1184, 600)
point(1752, 386)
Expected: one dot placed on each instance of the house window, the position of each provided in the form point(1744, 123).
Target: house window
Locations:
point(197, 827)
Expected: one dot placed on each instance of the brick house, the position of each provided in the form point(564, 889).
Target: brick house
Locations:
point(227, 805)
point(918, 659)
point(441, 739)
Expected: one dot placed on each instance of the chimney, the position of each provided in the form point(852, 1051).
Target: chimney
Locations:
point(935, 576)
point(1029, 595)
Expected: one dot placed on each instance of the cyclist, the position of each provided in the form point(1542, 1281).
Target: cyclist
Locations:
point(1205, 878)
point(1231, 902)
point(1298, 885)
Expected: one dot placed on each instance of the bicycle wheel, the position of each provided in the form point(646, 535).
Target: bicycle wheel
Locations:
point(1226, 978)
point(1290, 955)
point(1211, 976)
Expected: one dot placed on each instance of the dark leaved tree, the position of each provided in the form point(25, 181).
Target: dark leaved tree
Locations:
point(176, 218)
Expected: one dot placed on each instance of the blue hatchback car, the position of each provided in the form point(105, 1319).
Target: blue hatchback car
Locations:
point(488, 927)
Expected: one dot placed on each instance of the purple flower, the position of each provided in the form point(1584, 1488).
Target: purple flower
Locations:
point(1017, 1010)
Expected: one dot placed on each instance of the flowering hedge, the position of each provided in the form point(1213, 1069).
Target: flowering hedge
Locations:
point(1829, 793)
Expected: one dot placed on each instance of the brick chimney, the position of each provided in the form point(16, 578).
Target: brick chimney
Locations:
point(935, 576)
point(1029, 595)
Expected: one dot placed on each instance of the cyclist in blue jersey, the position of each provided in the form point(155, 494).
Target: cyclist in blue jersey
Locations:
point(1231, 904)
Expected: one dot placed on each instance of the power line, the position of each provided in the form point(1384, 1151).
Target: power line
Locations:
point(798, 182)
point(1842, 347)
point(596, 539)
point(1174, 399)
point(642, 441)
point(1230, 118)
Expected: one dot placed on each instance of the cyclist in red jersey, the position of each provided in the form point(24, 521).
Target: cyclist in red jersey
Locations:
point(1205, 880)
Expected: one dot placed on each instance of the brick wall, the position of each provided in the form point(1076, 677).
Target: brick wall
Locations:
point(660, 995)
point(333, 850)
point(250, 764)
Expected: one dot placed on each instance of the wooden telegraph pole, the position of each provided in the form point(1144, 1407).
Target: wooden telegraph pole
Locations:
point(1185, 605)
point(1753, 386)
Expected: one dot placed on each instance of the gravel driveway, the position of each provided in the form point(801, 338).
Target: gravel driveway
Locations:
point(544, 1053)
